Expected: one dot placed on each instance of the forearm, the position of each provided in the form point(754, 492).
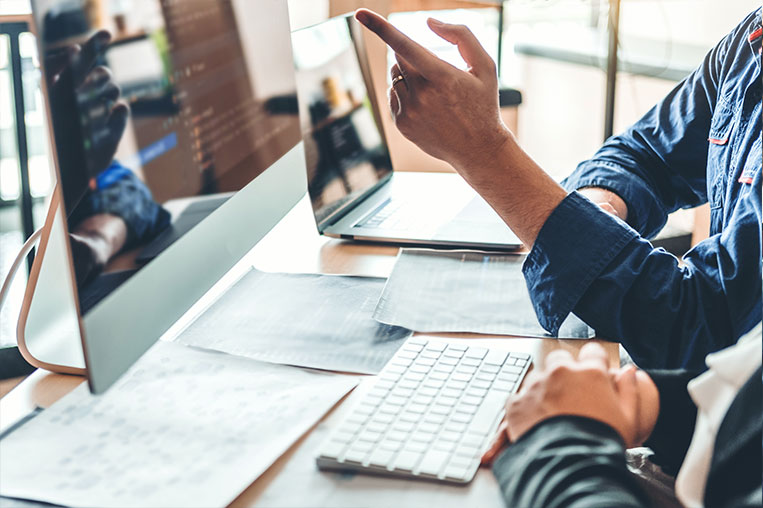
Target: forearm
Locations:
point(568, 462)
point(517, 188)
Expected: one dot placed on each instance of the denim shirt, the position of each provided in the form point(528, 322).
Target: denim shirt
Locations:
point(702, 143)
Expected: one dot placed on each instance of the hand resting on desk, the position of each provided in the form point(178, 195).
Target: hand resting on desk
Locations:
point(625, 399)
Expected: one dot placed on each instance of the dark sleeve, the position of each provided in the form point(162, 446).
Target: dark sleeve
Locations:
point(568, 461)
point(666, 314)
point(674, 429)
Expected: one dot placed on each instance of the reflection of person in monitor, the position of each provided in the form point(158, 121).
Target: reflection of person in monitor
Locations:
point(114, 208)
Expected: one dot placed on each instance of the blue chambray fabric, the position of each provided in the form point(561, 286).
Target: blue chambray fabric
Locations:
point(702, 143)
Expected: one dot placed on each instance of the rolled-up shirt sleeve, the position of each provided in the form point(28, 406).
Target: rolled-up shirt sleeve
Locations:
point(667, 314)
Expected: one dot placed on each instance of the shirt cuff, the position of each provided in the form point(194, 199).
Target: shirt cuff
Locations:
point(645, 213)
point(576, 243)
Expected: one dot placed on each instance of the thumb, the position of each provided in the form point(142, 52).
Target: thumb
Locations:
point(471, 50)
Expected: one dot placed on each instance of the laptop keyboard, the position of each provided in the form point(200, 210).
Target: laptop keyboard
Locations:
point(430, 414)
point(398, 215)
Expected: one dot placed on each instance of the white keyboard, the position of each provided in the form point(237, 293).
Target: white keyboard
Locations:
point(431, 413)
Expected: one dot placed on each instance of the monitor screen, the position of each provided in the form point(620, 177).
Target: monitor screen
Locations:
point(161, 111)
point(345, 149)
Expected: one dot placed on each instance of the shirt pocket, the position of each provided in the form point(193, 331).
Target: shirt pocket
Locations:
point(718, 153)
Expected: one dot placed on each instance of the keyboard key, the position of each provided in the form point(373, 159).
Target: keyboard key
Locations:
point(459, 417)
point(488, 413)
point(369, 436)
point(437, 346)
point(457, 347)
point(432, 355)
point(397, 400)
point(435, 418)
point(434, 383)
point(470, 362)
point(403, 426)
point(377, 427)
point(402, 362)
point(466, 408)
point(433, 462)
point(478, 383)
point(473, 440)
point(409, 355)
point(447, 435)
point(429, 427)
point(475, 392)
point(440, 410)
point(381, 457)
point(419, 368)
point(446, 401)
point(471, 400)
point(456, 472)
point(409, 416)
point(459, 376)
point(446, 446)
point(452, 353)
point(495, 357)
point(333, 449)
point(425, 361)
point(428, 392)
point(456, 385)
point(451, 392)
point(423, 400)
point(391, 444)
point(448, 360)
point(512, 369)
point(439, 375)
point(506, 386)
point(493, 369)
point(484, 376)
point(476, 352)
point(443, 367)
point(456, 427)
point(383, 418)
point(423, 437)
point(417, 446)
point(357, 456)
point(407, 461)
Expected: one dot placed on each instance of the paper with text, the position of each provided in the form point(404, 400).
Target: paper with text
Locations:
point(182, 428)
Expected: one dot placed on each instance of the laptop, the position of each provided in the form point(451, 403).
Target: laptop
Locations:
point(354, 191)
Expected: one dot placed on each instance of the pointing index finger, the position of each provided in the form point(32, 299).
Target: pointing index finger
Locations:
point(424, 61)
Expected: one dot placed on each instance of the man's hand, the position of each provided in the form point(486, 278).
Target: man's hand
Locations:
point(625, 399)
point(454, 115)
point(449, 113)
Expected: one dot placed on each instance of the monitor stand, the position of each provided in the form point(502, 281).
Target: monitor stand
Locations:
point(49, 329)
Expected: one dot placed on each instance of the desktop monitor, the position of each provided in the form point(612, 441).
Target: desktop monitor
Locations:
point(177, 148)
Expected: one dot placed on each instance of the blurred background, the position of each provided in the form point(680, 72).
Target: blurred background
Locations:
point(553, 60)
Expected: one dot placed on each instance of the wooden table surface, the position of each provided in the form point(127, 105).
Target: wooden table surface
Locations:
point(293, 246)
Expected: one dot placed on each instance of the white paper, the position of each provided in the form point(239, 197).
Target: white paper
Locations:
point(308, 320)
point(464, 291)
point(183, 428)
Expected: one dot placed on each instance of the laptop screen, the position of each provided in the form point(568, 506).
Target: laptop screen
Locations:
point(346, 153)
point(161, 111)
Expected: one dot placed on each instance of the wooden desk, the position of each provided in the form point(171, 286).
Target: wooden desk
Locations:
point(294, 246)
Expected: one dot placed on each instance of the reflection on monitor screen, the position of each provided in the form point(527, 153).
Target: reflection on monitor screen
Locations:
point(160, 112)
point(345, 149)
